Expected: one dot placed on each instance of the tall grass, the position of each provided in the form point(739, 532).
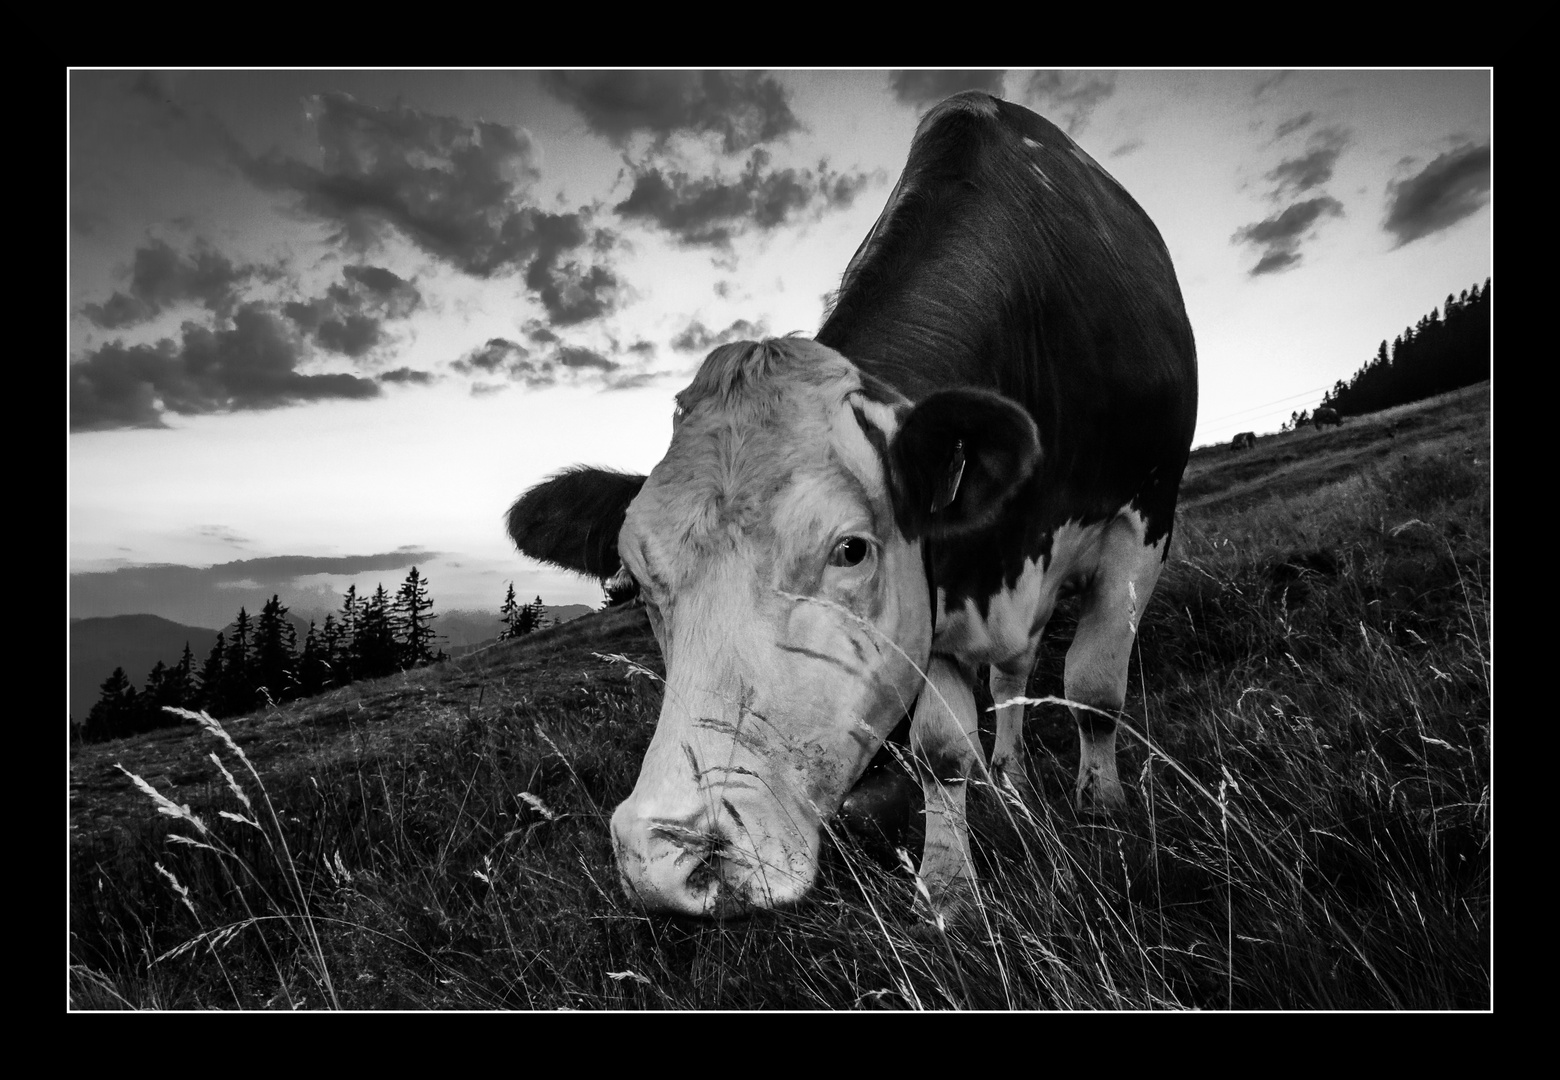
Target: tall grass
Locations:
point(1308, 831)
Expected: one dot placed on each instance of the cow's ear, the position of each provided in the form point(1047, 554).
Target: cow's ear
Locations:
point(958, 457)
point(573, 519)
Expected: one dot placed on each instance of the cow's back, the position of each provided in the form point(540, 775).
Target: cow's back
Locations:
point(1008, 259)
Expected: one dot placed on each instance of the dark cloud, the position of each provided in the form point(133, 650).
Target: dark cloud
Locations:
point(456, 190)
point(1070, 96)
point(723, 289)
point(1268, 82)
point(643, 348)
point(929, 87)
point(1296, 175)
point(571, 356)
point(408, 375)
point(350, 317)
point(698, 338)
point(496, 354)
point(537, 331)
point(743, 108)
point(250, 364)
point(211, 595)
point(500, 356)
point(1450, 188)
point(1294, 124)
point(1278, 238)
point(621, 381)
point(162, 277)
point(710, 211)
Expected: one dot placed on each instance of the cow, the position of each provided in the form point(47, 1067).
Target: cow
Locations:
point(1324, 416)
point(1244, 441)
point(995, 413)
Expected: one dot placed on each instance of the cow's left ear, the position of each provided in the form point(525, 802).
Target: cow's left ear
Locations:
point(573, 519)
point(958, 457)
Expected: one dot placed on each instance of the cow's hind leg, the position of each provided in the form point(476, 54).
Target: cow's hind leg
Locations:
point(1097, 662)
point(946, 746)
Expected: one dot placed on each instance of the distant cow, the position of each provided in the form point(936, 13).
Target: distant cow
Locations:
point(1244, 441)
point(997, 410)
point(1324, 416)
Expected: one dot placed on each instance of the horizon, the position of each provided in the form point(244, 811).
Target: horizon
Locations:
point(326, 325)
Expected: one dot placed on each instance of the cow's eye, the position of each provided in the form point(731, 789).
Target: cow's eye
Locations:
point(849, 552)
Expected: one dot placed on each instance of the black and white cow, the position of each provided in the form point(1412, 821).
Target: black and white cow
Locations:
point(1324, 416)
point(1244, 440)
point(996, 412)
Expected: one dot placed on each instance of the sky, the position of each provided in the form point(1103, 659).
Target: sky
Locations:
point(324, 326)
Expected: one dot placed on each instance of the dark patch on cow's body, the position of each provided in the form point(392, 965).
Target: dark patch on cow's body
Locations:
point(1058, 294)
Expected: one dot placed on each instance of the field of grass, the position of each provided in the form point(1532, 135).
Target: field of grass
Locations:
point(1311, 829)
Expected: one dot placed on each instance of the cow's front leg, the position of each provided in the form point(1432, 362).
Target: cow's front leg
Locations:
point(946, 745)
point(1008, 761)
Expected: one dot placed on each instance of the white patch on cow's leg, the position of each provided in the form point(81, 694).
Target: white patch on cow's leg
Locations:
point(1101, 652)
point(1008, 760)
point(946, 743)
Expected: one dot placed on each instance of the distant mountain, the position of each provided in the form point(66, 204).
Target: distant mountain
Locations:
point(133, 642)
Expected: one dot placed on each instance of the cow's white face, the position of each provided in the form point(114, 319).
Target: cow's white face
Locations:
point(778, 549)
point(794, 618)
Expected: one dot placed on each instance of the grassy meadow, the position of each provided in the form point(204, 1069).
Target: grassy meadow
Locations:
point(1307, 747)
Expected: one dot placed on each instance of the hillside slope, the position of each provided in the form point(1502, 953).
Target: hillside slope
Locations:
point(1312, 831)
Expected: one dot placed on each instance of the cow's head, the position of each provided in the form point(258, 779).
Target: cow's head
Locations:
point(778, 547)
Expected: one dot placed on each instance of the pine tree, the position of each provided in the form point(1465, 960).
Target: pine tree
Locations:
point(511, 614)
point(412, 621)
point(208, 695)
point(274, 664)
point(181, 681)
point(313, 669)
point(539, 620)
point(106, 720)
point(375, 651)
point(333, 653)
point(351, 612)
point(237, 688)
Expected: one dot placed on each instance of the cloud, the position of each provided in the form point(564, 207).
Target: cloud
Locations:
point(162, 277)
point(922, 87)
point(1294, 123)
point(1070, 96)
point(458, 190)
point(350, 317)
point(571, 356)
point(500, 356)
point(1295, 175)
point(1278, 237)
point(537, 331)
point(250, 364)
point(496, 354)
point(742, 108)
point(1268, 82)
point(408, 375)
point(710, 211)
point(1450, 188)
point(698, 338)
point(634, 381)
point(1131, 146)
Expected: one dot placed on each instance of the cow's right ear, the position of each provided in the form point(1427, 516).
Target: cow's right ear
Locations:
point(572, 520)
point(956, 460)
